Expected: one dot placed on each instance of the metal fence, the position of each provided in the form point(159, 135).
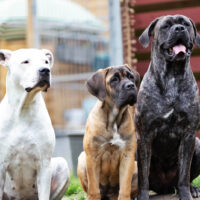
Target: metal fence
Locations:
point(78, 33)
point(78, 52)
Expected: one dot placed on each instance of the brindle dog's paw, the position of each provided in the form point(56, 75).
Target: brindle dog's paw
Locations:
point(184, 193)
point(143, 195)
point(195, 191)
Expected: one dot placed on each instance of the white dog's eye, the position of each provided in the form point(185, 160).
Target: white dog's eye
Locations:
point(46, 62)
point(25, 62)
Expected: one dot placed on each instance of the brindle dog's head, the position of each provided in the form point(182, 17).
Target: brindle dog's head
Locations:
point(116, 85)
point(174, 37)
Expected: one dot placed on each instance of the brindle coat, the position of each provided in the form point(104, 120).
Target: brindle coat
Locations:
point(167, 112)
point(107, 167)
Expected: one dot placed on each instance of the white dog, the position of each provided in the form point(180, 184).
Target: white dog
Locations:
point(27, 171)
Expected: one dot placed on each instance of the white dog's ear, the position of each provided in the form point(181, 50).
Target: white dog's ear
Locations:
point(5, 57)
point(49, 55)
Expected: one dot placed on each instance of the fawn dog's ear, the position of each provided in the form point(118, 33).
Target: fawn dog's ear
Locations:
point(97, 84)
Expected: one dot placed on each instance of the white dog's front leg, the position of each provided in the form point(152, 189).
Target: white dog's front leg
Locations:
point(2, 180)
point(44, 181)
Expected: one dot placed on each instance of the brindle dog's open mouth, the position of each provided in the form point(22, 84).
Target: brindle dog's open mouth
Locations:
point(178, 50)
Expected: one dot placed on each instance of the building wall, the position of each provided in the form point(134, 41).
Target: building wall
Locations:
point(62, 96)
point(98, 7)
point(147, 10)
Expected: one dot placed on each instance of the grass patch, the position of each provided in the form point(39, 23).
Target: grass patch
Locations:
point(196, 182)
point(75, 191)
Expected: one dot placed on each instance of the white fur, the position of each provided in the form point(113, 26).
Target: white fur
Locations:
point(117, 140)
point(168, 113)
point(26, 134)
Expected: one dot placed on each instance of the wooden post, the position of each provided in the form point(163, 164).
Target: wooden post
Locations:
point(128, 33)
point(32, 38)
point(116, 51)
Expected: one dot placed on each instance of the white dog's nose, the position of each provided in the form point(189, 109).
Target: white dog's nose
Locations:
point(44, 71)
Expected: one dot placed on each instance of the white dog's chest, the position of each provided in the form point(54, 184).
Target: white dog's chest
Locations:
point(22, 149)
point(22, 161)
point(22, 156)
point(29, 135)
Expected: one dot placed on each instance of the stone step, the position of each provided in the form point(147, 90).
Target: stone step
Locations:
point(64, 198)
point(156, 197)
point(166, 197)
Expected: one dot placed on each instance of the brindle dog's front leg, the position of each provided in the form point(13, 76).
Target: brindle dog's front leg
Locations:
point(127, 165)
point(93, 178)
point(186, 151)
point(144, 159)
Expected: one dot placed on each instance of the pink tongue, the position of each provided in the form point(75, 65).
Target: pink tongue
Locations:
point(179, 48)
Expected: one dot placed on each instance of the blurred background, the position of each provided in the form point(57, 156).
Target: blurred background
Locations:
point(84, 36)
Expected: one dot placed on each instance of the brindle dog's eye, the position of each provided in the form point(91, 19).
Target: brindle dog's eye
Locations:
point(25, 62)
point(166, 26)
point(186, 24)
point(130, 76)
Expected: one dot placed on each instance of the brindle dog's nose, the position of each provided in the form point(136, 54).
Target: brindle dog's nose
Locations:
point(179, 28)
point(129, 86)
point(44, 71)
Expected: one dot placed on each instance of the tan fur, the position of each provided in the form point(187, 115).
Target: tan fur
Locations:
point(103, 163)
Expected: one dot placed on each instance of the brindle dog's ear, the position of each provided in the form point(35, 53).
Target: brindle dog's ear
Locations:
point(135, 74)
point(96, 84)
point(196, 34)
point(137, 78)
point(148, 32)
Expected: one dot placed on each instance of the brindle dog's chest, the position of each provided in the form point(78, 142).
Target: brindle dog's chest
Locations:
point(174, 115)
point(168, 130)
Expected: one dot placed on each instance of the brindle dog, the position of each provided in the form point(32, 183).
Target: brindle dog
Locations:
point(167, 113)
point(107, 167)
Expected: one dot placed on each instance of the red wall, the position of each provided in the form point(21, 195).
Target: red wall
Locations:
point(147, 10)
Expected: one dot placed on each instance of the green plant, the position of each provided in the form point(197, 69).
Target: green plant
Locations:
point(75, 191)
point(196, 182)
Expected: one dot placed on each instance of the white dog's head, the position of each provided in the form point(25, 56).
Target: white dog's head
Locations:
point(28, 68)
